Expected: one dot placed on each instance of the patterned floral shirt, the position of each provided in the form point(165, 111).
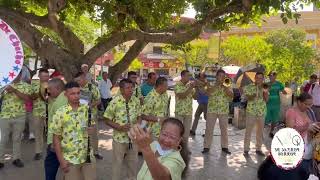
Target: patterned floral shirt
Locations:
point(95, 96)
point(257, 106)
point(12, 105)
point(39, 106)
point(183, 106)
point(117, 112)
point(71, 126)
point(156, 104)
point(218, 101)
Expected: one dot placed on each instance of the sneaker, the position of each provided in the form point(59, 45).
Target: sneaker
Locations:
point(226, 150)
point(205, 150)
point(98, 156)
point(192, 133)
point(18, 163)
point(1, 165)
point(260, 153)
point(38, 156)
point(246, 154)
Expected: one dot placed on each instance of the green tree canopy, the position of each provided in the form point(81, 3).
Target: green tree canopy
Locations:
point(59, 30)
point(195, 53)
point(285, 51)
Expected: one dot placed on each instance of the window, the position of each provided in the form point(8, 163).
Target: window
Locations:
point(157, 49)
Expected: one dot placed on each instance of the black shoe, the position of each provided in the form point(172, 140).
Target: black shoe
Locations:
point(192, 133)
point(205, 150)
point(226, 150)
point(271, 135)
point(203, 135)
point(140, 154)
point(260, 153)
point(246, 154)
point(37, 157)
point(18, 163)
point(98, 156)
point(1, 165)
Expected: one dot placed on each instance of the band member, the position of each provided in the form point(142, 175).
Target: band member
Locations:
point(184, 91)
point(57, 99)
point(202, 99)
point(218, 108)
point(12, 118)
point(70, 136)
point(137, 90)
point(156, 104)
point(257, 96)
point(121, 114)
point(90, 94)
point(39, 95)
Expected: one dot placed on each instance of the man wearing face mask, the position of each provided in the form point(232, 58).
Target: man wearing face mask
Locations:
point(90, 95)
point(184, 91)
point(257, 96)
point(122, 113)
point(218, 108)
point(156, 104)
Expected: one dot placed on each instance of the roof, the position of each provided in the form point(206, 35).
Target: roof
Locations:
point(308, 21)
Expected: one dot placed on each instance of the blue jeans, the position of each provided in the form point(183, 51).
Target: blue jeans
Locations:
point(51, 164)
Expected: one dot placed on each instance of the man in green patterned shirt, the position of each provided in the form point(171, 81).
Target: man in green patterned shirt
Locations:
point(70, 137)
point(57, 99)
point(184, 91)
point(218, 108)
point(257, 97)
point(156, 106)
point(121, 114)
point(91, 97)
point(39, 110)
point(12, 118)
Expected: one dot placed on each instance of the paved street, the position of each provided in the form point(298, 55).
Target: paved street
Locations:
point(214, 166)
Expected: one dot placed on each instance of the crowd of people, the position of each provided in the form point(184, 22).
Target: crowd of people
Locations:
point(141, 122)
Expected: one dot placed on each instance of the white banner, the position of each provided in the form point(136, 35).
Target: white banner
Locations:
point(11, 54)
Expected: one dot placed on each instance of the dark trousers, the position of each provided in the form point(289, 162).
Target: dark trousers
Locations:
point(202, 108)
point(105, 103)
point(51, 164)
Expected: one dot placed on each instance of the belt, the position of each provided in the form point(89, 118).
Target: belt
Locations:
point(317, 106)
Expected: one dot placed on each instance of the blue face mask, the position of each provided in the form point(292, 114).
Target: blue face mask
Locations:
point(161, 151)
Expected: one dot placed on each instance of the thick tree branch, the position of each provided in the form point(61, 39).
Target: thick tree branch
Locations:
point(125, 62)
point(169, 38)
point(42, 45)
point(71, 41)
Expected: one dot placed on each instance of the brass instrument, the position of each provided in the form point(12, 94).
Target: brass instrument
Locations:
point(43, 92)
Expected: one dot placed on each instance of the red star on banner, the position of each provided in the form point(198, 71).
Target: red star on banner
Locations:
point(11, 74)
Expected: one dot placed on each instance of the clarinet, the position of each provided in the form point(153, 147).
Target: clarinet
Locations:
point(128, 117)
point(168, 107)
point(47, 111)
point(88, 160)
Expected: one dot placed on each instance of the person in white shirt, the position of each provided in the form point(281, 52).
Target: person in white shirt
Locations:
point(105, 86)
point(315, 93)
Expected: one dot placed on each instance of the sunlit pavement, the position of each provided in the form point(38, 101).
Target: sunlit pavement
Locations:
point(212, 166)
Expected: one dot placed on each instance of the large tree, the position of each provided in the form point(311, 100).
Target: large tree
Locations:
point(52, 28)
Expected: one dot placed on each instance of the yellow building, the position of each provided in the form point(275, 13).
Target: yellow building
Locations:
point(309, 21)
